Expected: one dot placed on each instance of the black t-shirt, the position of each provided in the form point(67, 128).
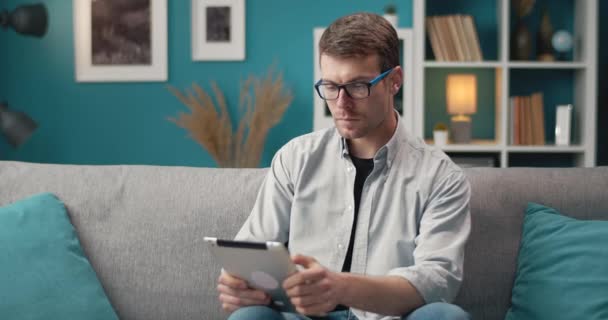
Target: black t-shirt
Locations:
point(364, 168)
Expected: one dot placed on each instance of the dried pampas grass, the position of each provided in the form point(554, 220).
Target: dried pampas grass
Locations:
point(262, 104)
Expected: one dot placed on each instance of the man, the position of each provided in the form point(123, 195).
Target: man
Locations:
point(377, 219)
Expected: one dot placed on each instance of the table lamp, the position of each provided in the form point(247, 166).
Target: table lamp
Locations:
point(15, 125)
point(461, 96)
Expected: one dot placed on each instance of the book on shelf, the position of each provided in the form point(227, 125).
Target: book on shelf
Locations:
point(472, 37)
point(433, 33)
point(453, 38)
point(527, 120)
point(457, 37)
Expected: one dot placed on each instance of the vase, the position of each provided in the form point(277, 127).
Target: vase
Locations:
point(544, 48)
point(521, 42)
point(440, 138)
point(393, 19)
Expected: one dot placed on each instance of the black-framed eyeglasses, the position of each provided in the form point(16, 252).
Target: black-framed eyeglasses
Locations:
point(355, 89)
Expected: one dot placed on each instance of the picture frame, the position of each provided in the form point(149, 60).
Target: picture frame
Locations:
point(218, 30)
point(404, 99)
point(120, 41)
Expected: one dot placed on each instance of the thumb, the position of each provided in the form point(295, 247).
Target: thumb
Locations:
point(305, 261)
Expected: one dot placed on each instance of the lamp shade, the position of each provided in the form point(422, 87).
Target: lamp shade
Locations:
point(15, 125)
point(31, 20)
point(461, 94)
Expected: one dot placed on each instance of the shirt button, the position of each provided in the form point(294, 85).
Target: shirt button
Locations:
point(349, 168)
point(340, 246)
point(349, 208)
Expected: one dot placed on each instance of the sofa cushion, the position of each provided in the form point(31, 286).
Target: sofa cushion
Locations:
point(562, 268)
point(43, 271)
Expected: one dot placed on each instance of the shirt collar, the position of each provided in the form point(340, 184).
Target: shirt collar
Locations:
point(387, 152)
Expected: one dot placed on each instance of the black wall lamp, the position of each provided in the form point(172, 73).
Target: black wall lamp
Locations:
point(15, 125)
point(30, 20)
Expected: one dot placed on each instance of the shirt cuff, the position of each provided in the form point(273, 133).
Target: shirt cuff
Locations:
point(430, 286)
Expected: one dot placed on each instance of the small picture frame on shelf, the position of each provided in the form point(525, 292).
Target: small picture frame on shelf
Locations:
point(120, 42)
point(218, 30)
point(563, 119)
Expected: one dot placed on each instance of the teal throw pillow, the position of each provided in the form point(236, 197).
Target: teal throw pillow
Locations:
point(44, 273)
point(562, 268)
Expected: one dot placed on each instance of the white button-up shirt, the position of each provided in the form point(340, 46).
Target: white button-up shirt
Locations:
point(413, 218)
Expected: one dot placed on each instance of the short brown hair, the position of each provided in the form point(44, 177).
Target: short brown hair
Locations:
point(359, 35)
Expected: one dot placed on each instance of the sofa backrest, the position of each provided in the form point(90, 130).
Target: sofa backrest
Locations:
point(142, 227)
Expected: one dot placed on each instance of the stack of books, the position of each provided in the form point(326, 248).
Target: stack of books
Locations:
point(527, 120)
point(454, 38)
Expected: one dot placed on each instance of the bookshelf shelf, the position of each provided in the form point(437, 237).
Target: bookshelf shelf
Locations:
point(547, 65)
point(499, 79)
point(475, 146)
point(481, 64)
point(546, 149)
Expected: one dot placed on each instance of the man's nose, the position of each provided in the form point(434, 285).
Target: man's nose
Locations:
point(344, 100)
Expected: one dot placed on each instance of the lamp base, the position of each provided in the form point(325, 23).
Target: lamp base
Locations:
point(460, 130)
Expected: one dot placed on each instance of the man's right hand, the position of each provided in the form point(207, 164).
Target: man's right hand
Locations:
point(235, 293)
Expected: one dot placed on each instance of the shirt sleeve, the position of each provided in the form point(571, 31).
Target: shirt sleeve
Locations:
point(443, 231)
point(269, 218)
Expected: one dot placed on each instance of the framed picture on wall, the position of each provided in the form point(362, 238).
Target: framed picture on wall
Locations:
point(119, 41)
point(218, 30)
point(404, 99)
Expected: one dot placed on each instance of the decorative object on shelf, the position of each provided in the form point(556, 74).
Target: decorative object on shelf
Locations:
point(218, 30)
point(544, 48)
point(29, 20)
point(120, 40)
point(521, 39)
point(562, 43)
point(563, 119)
point(461, 96)
point(390, 14)
point(440, 134)
point(15, 125)
point(262, 103)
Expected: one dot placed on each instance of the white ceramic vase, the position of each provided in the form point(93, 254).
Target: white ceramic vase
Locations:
point(440, 137)
point(393, 19)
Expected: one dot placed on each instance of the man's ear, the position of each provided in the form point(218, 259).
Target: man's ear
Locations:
point(396, 87)
point(397, 80)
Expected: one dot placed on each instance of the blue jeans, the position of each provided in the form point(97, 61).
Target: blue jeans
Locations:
point(433, 311)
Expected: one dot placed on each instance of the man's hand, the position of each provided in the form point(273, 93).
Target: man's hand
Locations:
point(235, 293)
point(315, 290)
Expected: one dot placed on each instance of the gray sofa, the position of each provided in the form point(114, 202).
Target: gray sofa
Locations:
point(142, 227)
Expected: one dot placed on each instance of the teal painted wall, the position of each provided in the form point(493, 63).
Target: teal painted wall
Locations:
point(125, 123)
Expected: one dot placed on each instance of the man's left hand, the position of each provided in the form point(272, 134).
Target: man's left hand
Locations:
point(314, 291)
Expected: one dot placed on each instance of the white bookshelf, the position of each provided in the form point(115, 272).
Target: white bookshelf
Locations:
point(583, 68)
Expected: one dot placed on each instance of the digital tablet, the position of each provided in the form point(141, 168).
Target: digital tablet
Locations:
point(264, 265)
